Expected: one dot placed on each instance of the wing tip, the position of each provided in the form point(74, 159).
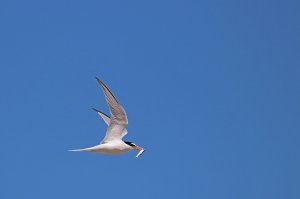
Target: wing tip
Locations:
point(99, 80)
point(100, 112)
point(96, 110)
point(105, 88)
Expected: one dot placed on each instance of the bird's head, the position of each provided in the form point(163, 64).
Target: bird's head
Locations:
point(136, 147)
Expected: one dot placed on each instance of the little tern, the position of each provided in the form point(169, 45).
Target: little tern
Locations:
point(117, 123)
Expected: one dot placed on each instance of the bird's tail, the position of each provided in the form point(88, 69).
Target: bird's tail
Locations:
point(81, 150)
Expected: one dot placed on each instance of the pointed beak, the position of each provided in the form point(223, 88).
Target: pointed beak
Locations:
point(140, 149)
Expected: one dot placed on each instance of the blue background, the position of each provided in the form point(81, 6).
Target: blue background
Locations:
point(211, 89)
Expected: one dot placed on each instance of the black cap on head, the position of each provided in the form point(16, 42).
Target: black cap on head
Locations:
point(130, 143)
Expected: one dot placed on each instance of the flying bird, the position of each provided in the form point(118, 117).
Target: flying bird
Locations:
point(117, 123)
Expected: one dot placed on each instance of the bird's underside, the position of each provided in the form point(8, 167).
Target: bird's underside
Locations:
point(112, 143)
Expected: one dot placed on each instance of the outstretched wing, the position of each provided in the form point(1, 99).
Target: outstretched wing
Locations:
point(106, 119)
point(117, 111)
point(118, 120)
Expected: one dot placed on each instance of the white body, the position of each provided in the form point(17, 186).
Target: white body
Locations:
point(115, 147)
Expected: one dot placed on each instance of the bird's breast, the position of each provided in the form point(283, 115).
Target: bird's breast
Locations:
point(111, 148)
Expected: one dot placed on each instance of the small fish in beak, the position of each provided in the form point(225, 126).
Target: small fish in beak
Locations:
point(140, 153)
point(140, 149)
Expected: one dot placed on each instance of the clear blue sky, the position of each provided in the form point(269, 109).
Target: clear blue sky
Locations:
point(211, 89)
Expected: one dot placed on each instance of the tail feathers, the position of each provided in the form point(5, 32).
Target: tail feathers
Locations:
point(81, 150)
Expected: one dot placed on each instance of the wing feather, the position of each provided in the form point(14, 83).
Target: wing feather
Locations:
point(103, 115)
point(118, 120)
point(117, 111)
